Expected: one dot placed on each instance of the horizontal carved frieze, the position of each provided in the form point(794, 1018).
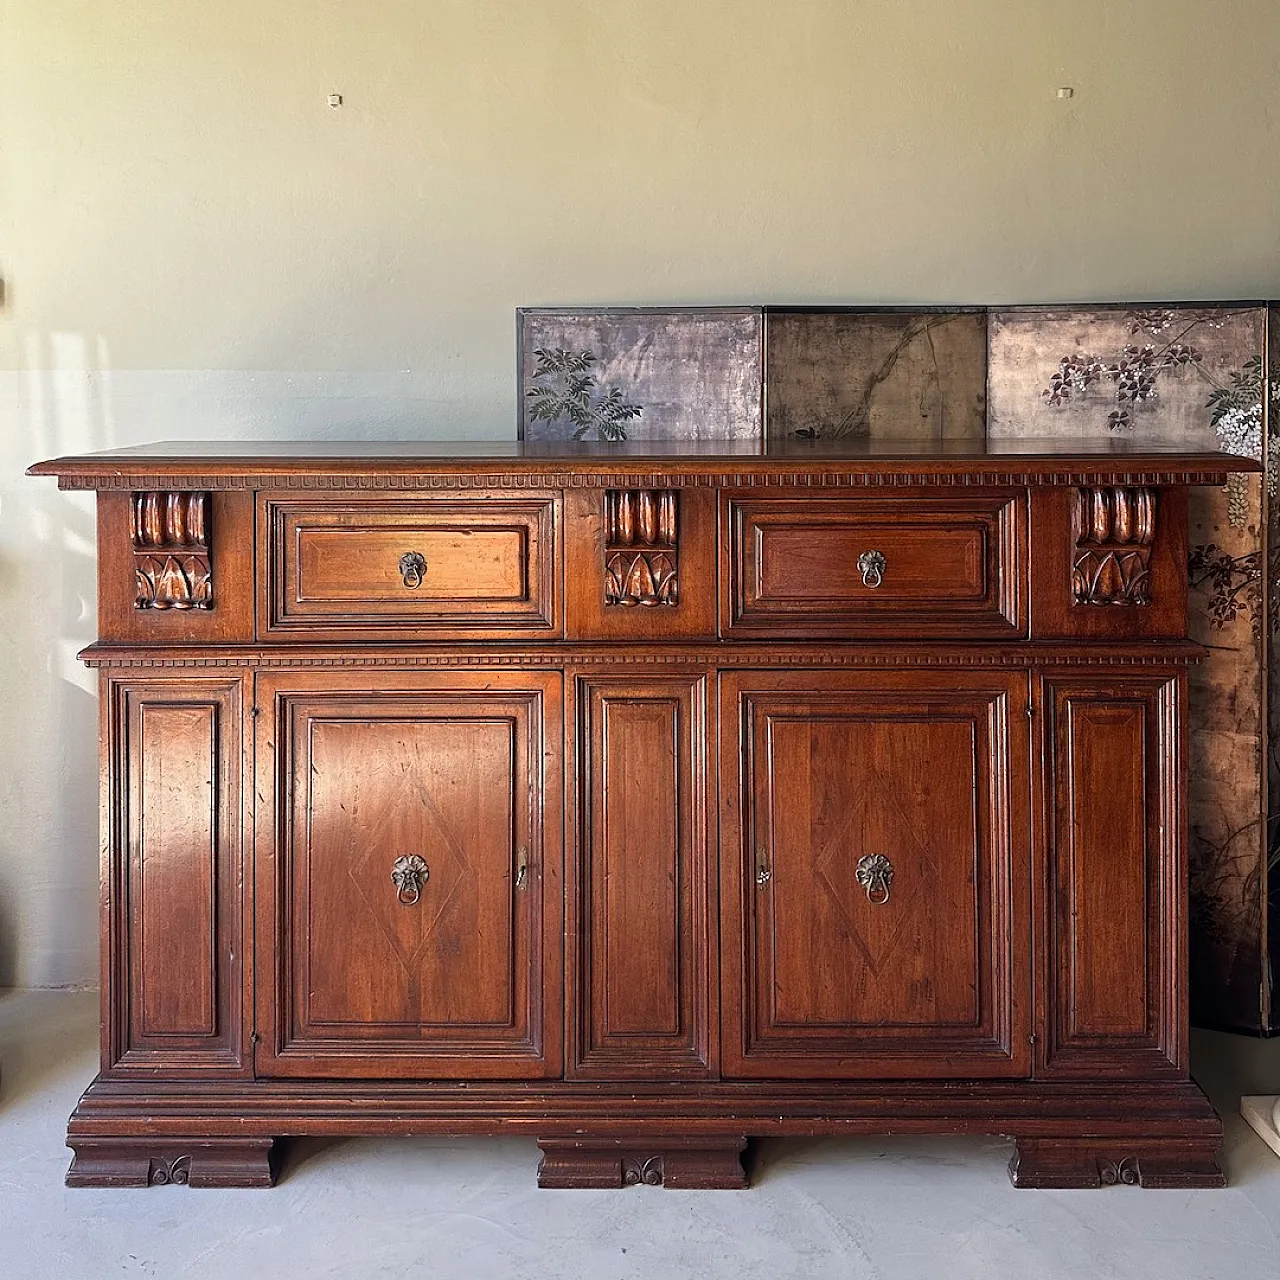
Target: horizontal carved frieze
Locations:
point(171, 550)
point(692, 656)
point(614, 480)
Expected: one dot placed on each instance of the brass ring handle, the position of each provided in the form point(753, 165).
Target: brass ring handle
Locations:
point(875, 875)
point(872, 564)
point(409, 874)
point(413, 568)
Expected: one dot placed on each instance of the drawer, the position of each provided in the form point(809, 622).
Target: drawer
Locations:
point(405, 568)
point(906, 565)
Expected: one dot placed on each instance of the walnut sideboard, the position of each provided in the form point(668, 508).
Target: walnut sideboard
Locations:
point(644, 800)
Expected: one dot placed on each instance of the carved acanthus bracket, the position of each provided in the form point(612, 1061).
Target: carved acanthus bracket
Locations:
point(171, 551)
point(1114, 529)
point(640, 556)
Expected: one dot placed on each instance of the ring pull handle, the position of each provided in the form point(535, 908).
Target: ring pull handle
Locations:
point(872, 565)
point(875, 875)
point(413, 568)
point(409, 874)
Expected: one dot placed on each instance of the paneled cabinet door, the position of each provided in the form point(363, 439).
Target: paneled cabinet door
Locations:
point(409, 874)
point(875, 861)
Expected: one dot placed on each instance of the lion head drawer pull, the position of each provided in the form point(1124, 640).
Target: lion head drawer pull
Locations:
point(872, 566)
point(408, 875)
point(413, 568)
point(875, 875)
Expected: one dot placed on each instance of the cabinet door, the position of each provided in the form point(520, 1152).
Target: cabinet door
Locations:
point(409, 875)
point(875, 858)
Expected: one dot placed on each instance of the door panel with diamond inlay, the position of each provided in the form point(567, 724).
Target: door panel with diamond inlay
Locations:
point(875, 856)
point(410, 875)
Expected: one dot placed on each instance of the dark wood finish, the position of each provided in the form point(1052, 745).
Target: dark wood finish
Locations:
point(1177, 1164)
point(229, 619)
point(807, 566)
point(1116, 875)
point(174, 975)
point(462, 980)
point(1067, 553)
point(643, 953)
point(151, 1162)
point(677, 1163)
point(827, 976)
point(589, 552)
point(769, 851)
point(485, 567)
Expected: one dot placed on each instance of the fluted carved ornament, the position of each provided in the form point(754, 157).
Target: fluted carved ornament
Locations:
point(171, 551)
point(641, 547)
point(1114, 529)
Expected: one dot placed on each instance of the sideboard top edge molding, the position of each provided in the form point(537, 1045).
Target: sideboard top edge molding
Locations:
point(703, 463)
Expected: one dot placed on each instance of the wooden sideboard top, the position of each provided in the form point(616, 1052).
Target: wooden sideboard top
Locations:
point(253, 464)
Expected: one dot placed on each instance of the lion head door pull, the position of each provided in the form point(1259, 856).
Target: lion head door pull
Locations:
point(872, 564)
point(413, 568)
point(875, 875)
point(409, 874)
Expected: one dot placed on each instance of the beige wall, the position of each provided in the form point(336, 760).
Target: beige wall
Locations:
point(193, 242)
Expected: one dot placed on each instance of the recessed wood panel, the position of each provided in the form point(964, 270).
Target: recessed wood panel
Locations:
point(176, 958)
point(402, 567)
point(1114, 860)
point(174, 836)
point(442, 975)
point(924, 971)
point(834, 566)
point(642, 876)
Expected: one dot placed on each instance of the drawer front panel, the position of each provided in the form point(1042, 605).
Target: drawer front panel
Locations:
point(836, 566)
point(876, 872)
point(479, 566)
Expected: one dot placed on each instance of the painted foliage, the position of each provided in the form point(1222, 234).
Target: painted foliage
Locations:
point(640, 374)
point(1194, 377)
point(918, 375)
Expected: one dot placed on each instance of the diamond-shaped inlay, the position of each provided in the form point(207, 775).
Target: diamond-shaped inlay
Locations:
point(410, 931)
point(868, 816)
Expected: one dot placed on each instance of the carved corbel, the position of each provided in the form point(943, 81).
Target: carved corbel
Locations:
point(171, 551)
point(641, 552)
point(1114, 529)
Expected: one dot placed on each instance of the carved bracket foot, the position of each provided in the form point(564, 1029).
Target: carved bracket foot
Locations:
point(157, 1162)
point(1105, 1162)
point(702, 1165)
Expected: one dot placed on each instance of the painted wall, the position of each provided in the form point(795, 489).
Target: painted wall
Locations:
point(194, 243)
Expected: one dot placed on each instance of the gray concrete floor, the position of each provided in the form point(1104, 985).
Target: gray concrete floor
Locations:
point(881, 1209)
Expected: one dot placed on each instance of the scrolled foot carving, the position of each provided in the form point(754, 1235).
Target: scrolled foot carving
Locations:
point(150, 1162)
point(708, 1164)
point(176, 1170)
point(647, 1171)
point(1155, 1163)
